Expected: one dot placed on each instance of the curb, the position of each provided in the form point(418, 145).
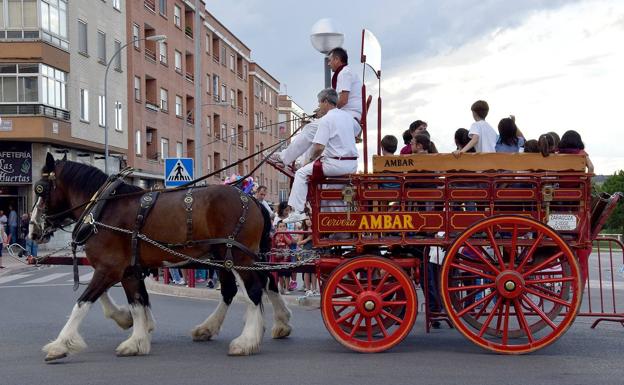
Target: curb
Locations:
point(154, 287)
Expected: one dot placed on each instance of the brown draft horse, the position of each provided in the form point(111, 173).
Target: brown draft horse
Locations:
point(215, 212)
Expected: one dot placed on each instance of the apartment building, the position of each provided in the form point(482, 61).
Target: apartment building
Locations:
point(290, 116)
point(264, 119)
point(188, 94)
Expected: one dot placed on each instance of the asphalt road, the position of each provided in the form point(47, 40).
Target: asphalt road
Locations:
point(31, 314)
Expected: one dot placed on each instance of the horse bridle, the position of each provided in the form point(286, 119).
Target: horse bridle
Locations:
point(43, 188)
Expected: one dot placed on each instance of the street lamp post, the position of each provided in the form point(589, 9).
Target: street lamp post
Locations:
point(149, 38)
point(324, 37)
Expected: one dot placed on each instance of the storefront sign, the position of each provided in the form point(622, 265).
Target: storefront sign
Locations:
point(15, 163)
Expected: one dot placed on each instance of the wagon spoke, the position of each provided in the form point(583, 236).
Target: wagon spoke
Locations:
point(474, 271)
point(356, 325)
point(369, 279)
point(347, 290)
point(381, 325)
point(390, 315)
point(357, 280)
point(549, 280)
point(506, 323)
point(382, 282)
point(522, 320)
point(514, 246)
point(545, 291)
point(477, 303)
point(539, 312)
point(482, 257)
point(484, 307)
point(392, 290)
point(531, 251)
point(346, 316)
point(494, 245)
point(369, 329)
point(549, 298)
point(543, 264)
point(344, 304)
point(394, 303)
point(488, 320)
point(471, 287)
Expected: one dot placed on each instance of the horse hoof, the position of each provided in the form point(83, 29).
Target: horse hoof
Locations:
point(238, 349)
point(201, 334)
point(282, 331)
point(133, 347)
point(53, 357)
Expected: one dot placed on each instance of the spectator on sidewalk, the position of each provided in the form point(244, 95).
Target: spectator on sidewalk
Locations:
point(12, 224)
point(23, 233)
point(261, 197)
point(282, 244)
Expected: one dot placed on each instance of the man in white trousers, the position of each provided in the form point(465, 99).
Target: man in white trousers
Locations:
point(334, 143)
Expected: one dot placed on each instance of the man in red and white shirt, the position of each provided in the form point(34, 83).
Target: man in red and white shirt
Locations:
point(346, 83)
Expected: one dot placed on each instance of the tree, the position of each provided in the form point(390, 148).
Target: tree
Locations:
point(613, 184)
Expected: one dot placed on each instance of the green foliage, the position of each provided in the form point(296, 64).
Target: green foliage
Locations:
point(615, 183)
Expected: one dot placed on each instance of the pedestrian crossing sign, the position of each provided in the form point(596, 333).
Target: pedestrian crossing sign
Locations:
point(178, 171)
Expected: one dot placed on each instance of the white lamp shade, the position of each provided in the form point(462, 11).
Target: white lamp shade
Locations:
point(324, 36)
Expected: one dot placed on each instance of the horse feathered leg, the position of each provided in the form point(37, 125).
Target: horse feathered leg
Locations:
point(281, 313)
point(139, 342)
point(212, 325)
point(121, 315)
point(249, 340)
point(69, 340)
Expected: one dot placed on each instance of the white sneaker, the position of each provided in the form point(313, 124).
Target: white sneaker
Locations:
point(309, 293)
point(295, 217)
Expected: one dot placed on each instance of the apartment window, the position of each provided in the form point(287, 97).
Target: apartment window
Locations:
point(53, 19)
point(164, 148)
point(101, 110)
point(223, 91)
point(233, 134)
point(136, 36)
point(176, 15)
point(179, 149)
point(232, 62)
point(137, 88)
point(232, 98)
point(208, 42)
point(215, 87)
point(84, 105)
point(178, 61)
point(20, 82)
point(208, 83)
point(53, 86)
point(118, 116)
point(164, 100)
point(117, 4)
point(256, 120)
point(82, 38)
point(270, 98)
point(162, 7)
point(178, 106)
point(137, 142)
point(162, 48)
point(224, 132)
point(223, 53)
point(117, 46)
point(101, 47)
point(208, 163)
point(20, 14)
point(208, 125)
point(245, 105)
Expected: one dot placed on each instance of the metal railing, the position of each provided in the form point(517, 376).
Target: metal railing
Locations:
point(150, 4)
point(149, 54)
point(34, 109)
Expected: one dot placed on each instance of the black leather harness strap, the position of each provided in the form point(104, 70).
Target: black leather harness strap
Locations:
point(145, 205)
point(188, 205)
point(231, 241)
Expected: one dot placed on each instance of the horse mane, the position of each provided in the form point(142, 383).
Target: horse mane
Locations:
point(84, 177)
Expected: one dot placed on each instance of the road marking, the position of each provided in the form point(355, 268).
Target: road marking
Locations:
point(83, 278)
point(10, 278)
point(47, 278)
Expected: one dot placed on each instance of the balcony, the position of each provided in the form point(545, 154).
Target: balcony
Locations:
point(188, 31)
point(151, 106)
point(34, 109)
point(150, 4)
point(189, 77)
point(150, 55)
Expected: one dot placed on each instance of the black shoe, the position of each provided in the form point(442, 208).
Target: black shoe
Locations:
point(435, 325)
point(210, 284)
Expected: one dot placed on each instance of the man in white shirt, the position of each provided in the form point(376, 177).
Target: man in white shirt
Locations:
point(346, 83)
point(482, 135)
point(334, 143)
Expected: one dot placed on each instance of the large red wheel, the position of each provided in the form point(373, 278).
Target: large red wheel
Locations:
point(369, 304)
point(511, 284)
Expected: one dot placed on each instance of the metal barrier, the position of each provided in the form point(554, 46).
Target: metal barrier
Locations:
point(604, 287)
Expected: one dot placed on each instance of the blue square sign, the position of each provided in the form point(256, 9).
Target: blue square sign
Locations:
point(178, 171)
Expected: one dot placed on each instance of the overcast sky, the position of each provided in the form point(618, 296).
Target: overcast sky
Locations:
point(556, 65)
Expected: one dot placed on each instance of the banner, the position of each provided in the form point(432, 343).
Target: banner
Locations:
point(15, 162)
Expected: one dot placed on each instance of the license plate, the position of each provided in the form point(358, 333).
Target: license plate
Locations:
point(562, 222)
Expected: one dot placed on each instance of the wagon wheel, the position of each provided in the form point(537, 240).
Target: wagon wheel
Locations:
point(505, 290)
point(369, 304)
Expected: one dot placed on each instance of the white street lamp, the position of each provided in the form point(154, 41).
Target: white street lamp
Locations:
point(324, 37)
point(149, 38)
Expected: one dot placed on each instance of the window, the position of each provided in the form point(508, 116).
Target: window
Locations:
point(178, 61)
point(19, 82)
point(84, 105)
point(136, 36)
point(256, 120)
point(53, 19)
point(223, 91)
point(207, 83)
point(101, 111)
point(101, 47)
point(164, 148)
point(137, 88)
point(224, 132)
point(208, 125)
point(137, 142)
point(164, 100)
point(208, 42)
point(118, 117)
point(232, 62)
point(162, 7)
point(117, 4)
point(245, 105)
point(270, 98)
point(117, 46)
point(53, 86)
point(232, 98)
point(176, 15)
point(178, 106)
point(162, 49)
point(208, 163)
point(215, 87)
point(179, 150)
point(223, 53)
point(82, 38)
